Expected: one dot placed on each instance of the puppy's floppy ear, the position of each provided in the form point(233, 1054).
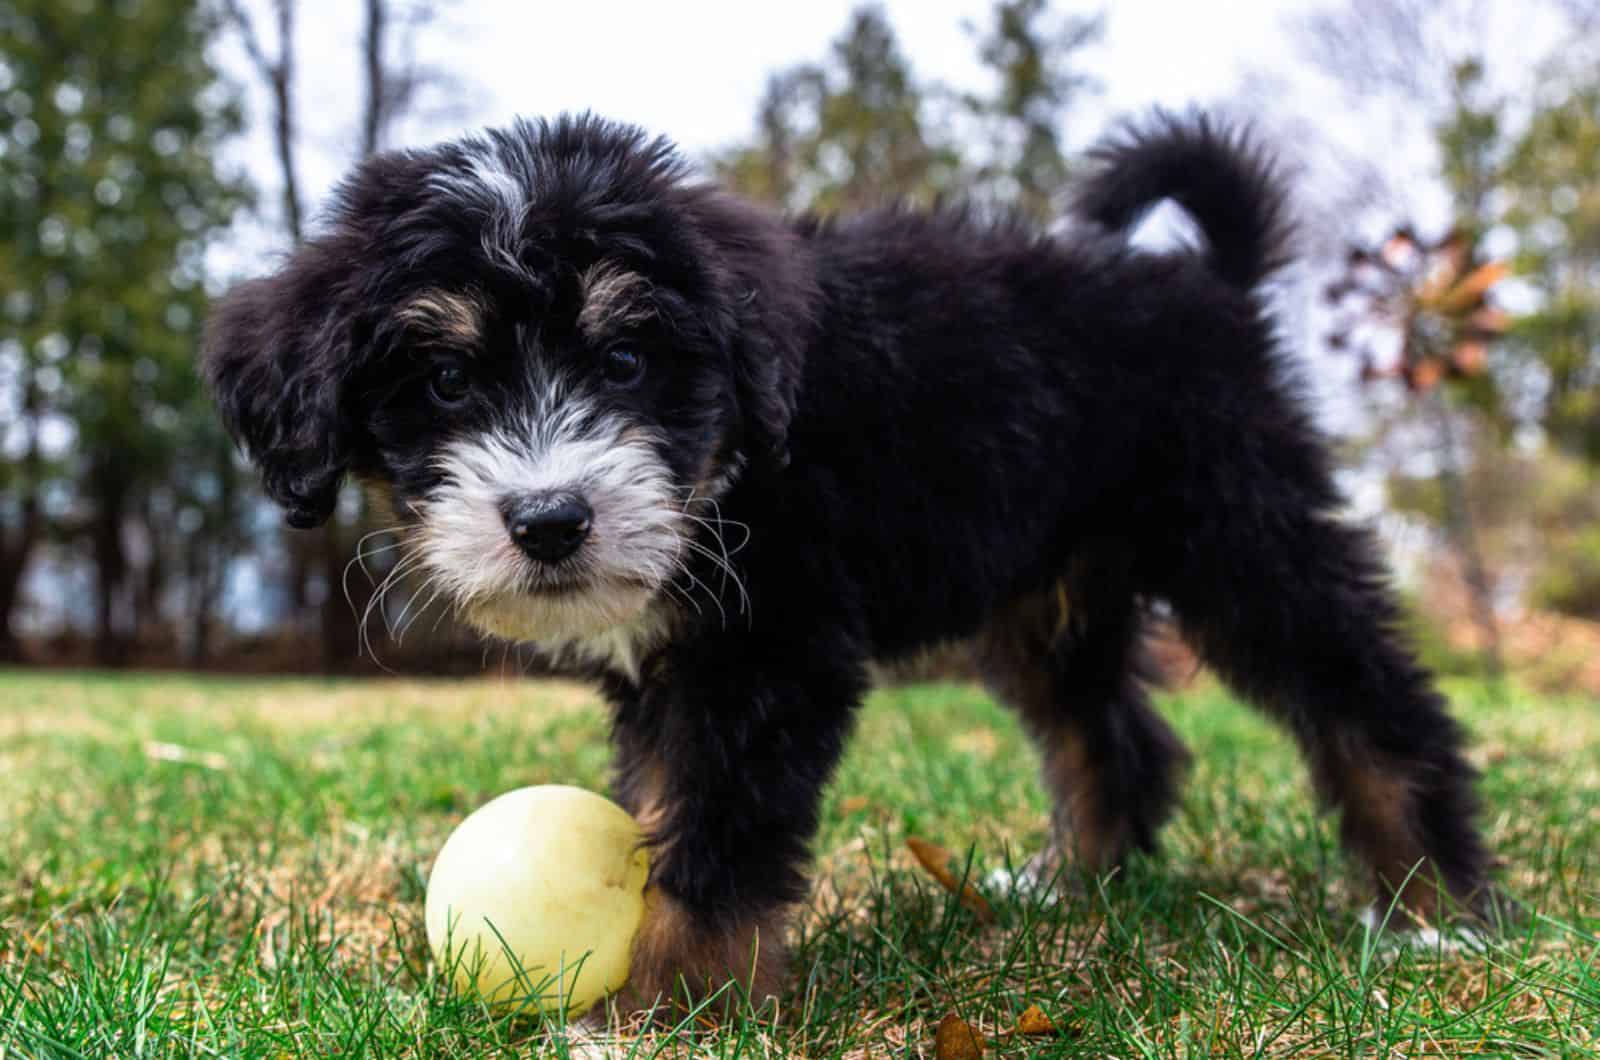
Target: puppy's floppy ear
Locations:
point(276, 354)
point(769, 280)
point(279, 351)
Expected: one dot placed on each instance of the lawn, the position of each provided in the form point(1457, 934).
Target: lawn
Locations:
point(225, 867)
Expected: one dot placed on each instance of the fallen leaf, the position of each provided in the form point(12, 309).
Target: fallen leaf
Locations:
point(936, 860)
point(854, 804)
point(1033, 1021)
point(956, 1040)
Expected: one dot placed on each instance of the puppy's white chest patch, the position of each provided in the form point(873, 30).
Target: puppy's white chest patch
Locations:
point(622, 649)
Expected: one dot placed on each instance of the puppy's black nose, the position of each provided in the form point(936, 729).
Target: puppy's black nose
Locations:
point(548, 526)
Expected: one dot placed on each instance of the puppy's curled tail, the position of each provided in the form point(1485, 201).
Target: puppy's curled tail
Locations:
point(1218, 173)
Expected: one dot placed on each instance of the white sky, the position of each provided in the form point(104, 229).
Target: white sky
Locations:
point(694, 69)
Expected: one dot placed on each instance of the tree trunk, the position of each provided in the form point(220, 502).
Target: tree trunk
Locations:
point(14, 556)
point(1462, 529)
point(198, 561)
point(375, 114)
point(281, 77)
point(109, 484)
point(150, 625)
point(17, 551)
point(340, 640)
point(210, 581)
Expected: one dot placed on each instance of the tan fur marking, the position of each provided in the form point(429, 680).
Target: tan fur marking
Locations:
point(1379, 815)
point(652, 804)
point(380, 496)
point(457, 318)
point(613, 298)
point(676, 959)
point(1085, 832)
point(1081, 822)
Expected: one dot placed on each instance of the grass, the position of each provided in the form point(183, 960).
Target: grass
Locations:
point(222, 867)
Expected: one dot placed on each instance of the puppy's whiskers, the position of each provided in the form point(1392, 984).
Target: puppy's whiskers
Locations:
point(722, 558)
point(433, 588)
point(727, 574)
point(717, 517)
point(678, 592)
point(363, 554)
point(407, 564)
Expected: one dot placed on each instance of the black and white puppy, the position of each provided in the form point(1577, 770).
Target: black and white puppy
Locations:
point(721, 460)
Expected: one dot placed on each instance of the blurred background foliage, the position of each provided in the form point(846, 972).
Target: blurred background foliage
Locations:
point(109, 194)
point(1466, 357)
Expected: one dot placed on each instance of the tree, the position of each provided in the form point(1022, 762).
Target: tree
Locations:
point(277, 70)
point(846, 133)
point(1433, 295)
point(109, 195)
point(21, 484)
point(1030, 50)
point(1551, 183)
point(860, 128)
point(1395, 49)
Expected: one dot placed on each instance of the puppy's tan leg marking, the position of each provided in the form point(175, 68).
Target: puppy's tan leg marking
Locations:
point(1013, 656)
point(1380, 823)
point(642, 788)
point(679, 960)
point(1070, 661)
point(1086, 831)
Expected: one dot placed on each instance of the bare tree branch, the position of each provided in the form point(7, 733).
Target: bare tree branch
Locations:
point(240, 19)
point(1406, 47)
point(395, 81)
point(278, 73)
point(379, 94)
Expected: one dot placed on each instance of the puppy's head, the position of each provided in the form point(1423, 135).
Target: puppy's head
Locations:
point(543, 345)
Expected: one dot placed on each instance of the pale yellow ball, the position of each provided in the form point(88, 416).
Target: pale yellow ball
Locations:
point(555, 875)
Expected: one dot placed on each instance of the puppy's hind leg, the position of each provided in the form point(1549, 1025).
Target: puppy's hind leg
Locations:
point(1291, 607)
point(1069, 662)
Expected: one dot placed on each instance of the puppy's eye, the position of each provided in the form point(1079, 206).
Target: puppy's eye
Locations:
point(623, 366)
point(450, 385)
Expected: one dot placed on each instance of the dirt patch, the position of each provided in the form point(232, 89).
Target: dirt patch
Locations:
point(351, 900)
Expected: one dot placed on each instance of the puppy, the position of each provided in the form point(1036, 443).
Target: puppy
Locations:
point(719, 461)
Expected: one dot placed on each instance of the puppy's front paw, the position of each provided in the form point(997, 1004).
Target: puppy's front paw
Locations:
point(681, 959)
